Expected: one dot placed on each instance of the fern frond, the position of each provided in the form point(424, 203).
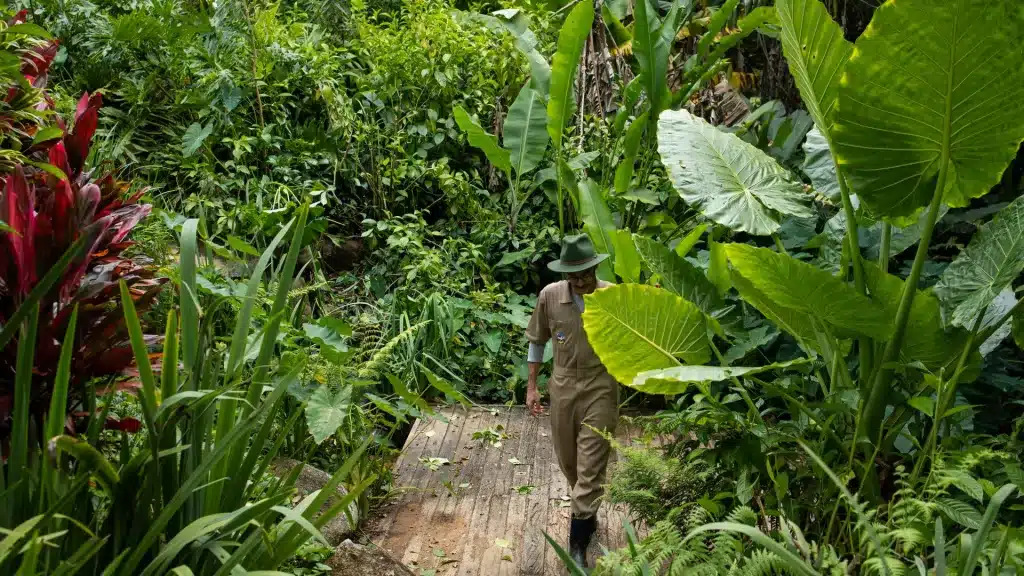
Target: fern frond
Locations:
point(371, 368)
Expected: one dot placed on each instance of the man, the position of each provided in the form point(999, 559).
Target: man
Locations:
point(583, 394)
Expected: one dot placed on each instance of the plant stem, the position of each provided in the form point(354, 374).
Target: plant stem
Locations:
point(883, 250)
point(865, 349)
point(874, 400)
point(945, 393)
point(739, 386)
point(778, 243)
point(558, 186)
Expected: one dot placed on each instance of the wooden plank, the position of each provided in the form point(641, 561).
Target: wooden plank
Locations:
point(558, 517)
point(476, 542)
point(419, 550)
point(495, 556)
point(415, 476)
point(472, 455)
point(515, 523)
point(533, 547)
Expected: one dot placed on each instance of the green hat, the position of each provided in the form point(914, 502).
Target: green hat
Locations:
point(577, 255)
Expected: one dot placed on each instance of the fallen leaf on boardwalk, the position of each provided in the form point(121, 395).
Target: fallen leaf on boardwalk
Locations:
point(434, 463)
point(514, 461)
point(544, 434)
point(525, 489)
point(564, 498)
point(502, 543)
point(507, 557)
point(464, 485)
point(430, 572)
point(439, 552)
point(429, 433)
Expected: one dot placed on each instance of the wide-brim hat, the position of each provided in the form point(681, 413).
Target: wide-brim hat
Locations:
point(578, 254)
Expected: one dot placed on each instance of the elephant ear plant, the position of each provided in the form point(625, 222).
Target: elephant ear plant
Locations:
point(922, 114)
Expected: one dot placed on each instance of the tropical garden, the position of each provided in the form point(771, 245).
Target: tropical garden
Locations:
point(245, 231)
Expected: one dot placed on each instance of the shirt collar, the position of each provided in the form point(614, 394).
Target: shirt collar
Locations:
point(565, 294)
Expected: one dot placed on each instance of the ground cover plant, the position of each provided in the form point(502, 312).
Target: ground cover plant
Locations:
point(237, 232)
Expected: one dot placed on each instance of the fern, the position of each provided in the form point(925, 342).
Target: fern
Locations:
point(372, 367)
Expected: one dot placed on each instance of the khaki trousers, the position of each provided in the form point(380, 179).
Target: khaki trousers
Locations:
point(578, 402)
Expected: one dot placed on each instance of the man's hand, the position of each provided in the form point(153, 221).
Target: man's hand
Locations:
point(533, 401)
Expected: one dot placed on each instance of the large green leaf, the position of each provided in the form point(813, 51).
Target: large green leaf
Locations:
point(798, 323)
point(327, 411)
point(677, 275)
point(194, 137)
point(731, 181)
point(627, 260)
point(597, 222)
point(931, 86)
point(817, 53)
point(925, 341)
point(571, 39)
point(676, 380)
point(631, 145)
point(794, 285)
point(651, 49)
point(635, 328)
point(480, 138)
point(819, 166)
point(524, 135)
point(990, 263)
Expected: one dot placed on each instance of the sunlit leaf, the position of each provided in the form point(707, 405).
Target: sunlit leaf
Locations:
point(923, 95)
point(327, 411)
point(635, 328)
point(729, 180)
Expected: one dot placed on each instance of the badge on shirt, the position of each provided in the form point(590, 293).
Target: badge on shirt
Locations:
point(560, 337)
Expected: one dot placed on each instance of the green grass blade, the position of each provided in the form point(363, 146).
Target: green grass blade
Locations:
point(980, 537)
point(188, 304)
point(244, 318)
point(59, 399)
point(18, 458)
point(573, 568)
point(239, 435)
point(940, 548)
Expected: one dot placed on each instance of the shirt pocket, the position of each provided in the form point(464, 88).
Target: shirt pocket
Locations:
point(562, 341)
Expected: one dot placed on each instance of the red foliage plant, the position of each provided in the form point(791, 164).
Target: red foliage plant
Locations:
point(48, 203)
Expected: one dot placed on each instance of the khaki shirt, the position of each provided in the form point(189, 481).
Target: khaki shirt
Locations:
point(557, 318)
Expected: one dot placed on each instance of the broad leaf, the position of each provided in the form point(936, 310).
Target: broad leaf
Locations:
point(597, 222)
point(817, 53)
point(794, 285)
point(635, 328)
point(326, 411)
point(627, 261)
point(651, 49)
point(922, 95)
point(194, 137)
point(631, 145)
point(819, 167)
point(524, 135)
point(990, 263)
point(690, 240)
point(731, 181)
point(798, 323)
point(677, 275)
point(571, 40)
point(925, 340)
point(480, 138)
point(676, 380)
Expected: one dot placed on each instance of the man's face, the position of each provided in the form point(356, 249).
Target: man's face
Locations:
point(584, 282)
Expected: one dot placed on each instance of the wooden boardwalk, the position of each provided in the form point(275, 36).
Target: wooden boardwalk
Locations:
point(483, 512)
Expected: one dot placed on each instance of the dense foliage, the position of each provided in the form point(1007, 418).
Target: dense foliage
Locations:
point(243, 231)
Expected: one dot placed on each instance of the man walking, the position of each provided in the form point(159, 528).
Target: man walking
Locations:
point(583, 394)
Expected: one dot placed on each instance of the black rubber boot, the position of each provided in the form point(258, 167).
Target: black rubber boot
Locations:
point(580, 531)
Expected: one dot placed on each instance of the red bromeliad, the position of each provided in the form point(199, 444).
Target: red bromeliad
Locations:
point(47, 210)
